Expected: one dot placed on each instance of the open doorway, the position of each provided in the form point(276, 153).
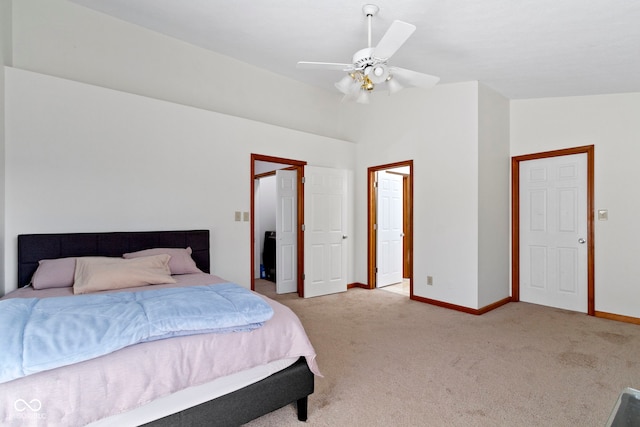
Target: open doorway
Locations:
point(262, 167)
point(382, 236)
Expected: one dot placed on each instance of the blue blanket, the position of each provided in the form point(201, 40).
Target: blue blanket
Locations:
point(40, 334)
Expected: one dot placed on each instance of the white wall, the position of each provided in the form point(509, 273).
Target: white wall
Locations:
point(612, 124)
point(5, 59)
point(61, 38)
point(454, 133)
point(493, 197)
point(85, 158)
point(438, 130)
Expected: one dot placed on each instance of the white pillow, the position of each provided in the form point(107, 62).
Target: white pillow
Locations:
point(105, 273)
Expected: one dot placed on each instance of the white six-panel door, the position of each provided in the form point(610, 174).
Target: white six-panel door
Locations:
point(286, 231)
point(553, 232)
point(389, 229)
point(325, 235)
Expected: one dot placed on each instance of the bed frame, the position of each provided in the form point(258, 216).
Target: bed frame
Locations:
point(293, 384)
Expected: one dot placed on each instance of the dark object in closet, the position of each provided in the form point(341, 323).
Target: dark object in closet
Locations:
point(269, 255)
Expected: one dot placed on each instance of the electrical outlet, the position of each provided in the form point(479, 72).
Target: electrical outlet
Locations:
point(430, 280)
point(238, 216)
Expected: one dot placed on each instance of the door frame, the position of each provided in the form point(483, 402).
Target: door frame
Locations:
point(515, 219)
point(298, 166)
point(371, 220)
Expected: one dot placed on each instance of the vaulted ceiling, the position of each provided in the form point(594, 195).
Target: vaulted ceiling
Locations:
point(520, 48)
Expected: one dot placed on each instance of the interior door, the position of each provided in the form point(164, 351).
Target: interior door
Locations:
point(325, 235)
point(389, 229)
point(286, 231)
point(553, 232)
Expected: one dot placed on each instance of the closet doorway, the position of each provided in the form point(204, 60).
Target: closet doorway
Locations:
point(390, 227)
point(291, 236)
point(552, 229)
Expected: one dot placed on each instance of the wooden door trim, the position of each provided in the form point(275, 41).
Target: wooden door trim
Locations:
point(371, 220)
point(406, 212)
point(298, 166)
point(515, 219)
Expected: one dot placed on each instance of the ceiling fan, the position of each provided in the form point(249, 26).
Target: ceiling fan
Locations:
point(369, 66)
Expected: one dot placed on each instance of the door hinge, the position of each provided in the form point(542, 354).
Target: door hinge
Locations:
point(304, 179)
point(302, 227)
point(304, 276)
point(375, 226)
point(375, 184)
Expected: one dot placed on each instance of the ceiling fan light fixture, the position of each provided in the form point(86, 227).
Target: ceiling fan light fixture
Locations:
point(367, 84)
point(377, 73)
point(363, 97)
point(345, 85)
point(393, 85)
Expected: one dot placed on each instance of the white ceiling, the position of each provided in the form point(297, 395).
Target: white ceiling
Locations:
point(521, 48)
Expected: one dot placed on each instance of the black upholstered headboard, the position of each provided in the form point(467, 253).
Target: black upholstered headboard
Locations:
point(35, 247)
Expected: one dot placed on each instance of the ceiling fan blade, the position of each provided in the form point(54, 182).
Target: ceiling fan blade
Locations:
point(396, 35)
point(413, 78)
point(324, 66)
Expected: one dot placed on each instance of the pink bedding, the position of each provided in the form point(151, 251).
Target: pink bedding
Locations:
point(128, 378)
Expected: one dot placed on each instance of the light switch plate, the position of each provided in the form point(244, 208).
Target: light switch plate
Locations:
point(238, 216)
point(245, 216)
point(603, 214)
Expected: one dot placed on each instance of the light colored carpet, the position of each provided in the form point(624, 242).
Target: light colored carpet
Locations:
point(390, 361)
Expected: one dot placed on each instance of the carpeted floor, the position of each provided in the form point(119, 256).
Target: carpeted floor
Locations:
point(390, 361)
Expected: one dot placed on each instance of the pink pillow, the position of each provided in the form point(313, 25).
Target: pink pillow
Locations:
point(180, 262)
point(54, 273)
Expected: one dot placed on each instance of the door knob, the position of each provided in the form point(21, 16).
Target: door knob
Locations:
point(581, 241)
point(344, 237)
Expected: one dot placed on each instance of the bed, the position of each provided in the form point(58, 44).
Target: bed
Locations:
point(279, 374)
